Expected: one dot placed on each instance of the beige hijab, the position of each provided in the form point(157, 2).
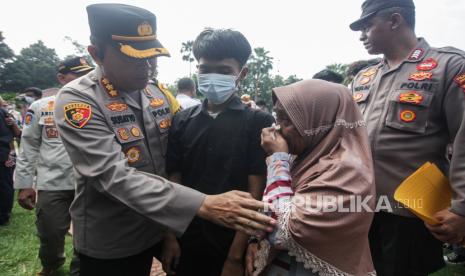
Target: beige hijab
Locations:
point(337, 162)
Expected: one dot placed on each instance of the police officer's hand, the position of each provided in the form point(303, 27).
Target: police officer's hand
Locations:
point(27, 198)
point(451, 227)
point(170, 254)
point(237, 210)
point(273, 141)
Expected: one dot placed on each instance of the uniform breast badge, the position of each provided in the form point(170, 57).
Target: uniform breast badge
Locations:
point(123, 133)
point(51, 132)
point(427, 65)
point(408, 116)
point(365, 80)
point(370, 72)
point(420, 76)
point(156, 102)
point(135, 131)
point(358, 97)
point(166, 123)
point(133, 155)
point(117, 106)
point(411, 97)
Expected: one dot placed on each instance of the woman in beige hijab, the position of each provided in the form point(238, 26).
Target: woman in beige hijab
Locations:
point(322, 127)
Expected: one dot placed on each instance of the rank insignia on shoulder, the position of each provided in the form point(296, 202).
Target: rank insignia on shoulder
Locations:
point(123, 133)
point(108, 87)
point(117, 106)
point(77, 114)
point(427, 65)
point(416, 54)
point(420, 76)
point(133, 155)
point(411, 97)
point(135, 131)
point(358, 96)
point(408, 116)
point(156, 102)
point(364, 80)
point(370, 72)
point(460, 79)
point(166, 123)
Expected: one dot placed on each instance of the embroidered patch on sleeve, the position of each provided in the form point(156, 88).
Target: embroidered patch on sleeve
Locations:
point(28, 118)
point(77, 114)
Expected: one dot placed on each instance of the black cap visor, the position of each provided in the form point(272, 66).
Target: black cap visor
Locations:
point(360, 23)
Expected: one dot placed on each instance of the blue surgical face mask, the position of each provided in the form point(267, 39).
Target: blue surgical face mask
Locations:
point(217, 88)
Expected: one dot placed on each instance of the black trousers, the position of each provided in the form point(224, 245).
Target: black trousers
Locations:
point(136, 265)
point(6, 192)
point(402, 246)
point(199, 257)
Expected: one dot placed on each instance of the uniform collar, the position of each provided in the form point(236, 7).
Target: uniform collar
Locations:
point(417, 54)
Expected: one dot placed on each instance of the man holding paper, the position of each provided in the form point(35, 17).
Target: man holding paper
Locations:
point(413, 103)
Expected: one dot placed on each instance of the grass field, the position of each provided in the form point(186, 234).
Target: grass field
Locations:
point(19, 246)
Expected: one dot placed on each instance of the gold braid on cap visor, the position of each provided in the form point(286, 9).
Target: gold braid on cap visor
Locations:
point(152, 52)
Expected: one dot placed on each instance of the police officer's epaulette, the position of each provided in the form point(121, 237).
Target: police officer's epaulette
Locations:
point(451, 50)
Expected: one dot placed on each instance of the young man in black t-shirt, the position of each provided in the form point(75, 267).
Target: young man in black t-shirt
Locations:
point(214, 148)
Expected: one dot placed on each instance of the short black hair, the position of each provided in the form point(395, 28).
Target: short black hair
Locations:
point(407, 13)
point(329, 75)
point(186, 84)
point(36, 91)
point(218, 44)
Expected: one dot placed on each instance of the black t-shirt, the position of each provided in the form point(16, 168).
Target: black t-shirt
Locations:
point(6, 136)
point(215, 156)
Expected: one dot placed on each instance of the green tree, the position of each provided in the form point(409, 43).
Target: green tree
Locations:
point(339, 68)
point(259, 79)
point(188, 54)
point(6, 54)
point(35, 66)
point(79, 50)
point(291, 79)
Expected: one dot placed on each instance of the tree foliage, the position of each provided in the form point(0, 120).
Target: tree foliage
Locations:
point(79, 50)
point(6, 54)
point(339, 68)
point(188, 53)
point(260, 81)
point(36, 65)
